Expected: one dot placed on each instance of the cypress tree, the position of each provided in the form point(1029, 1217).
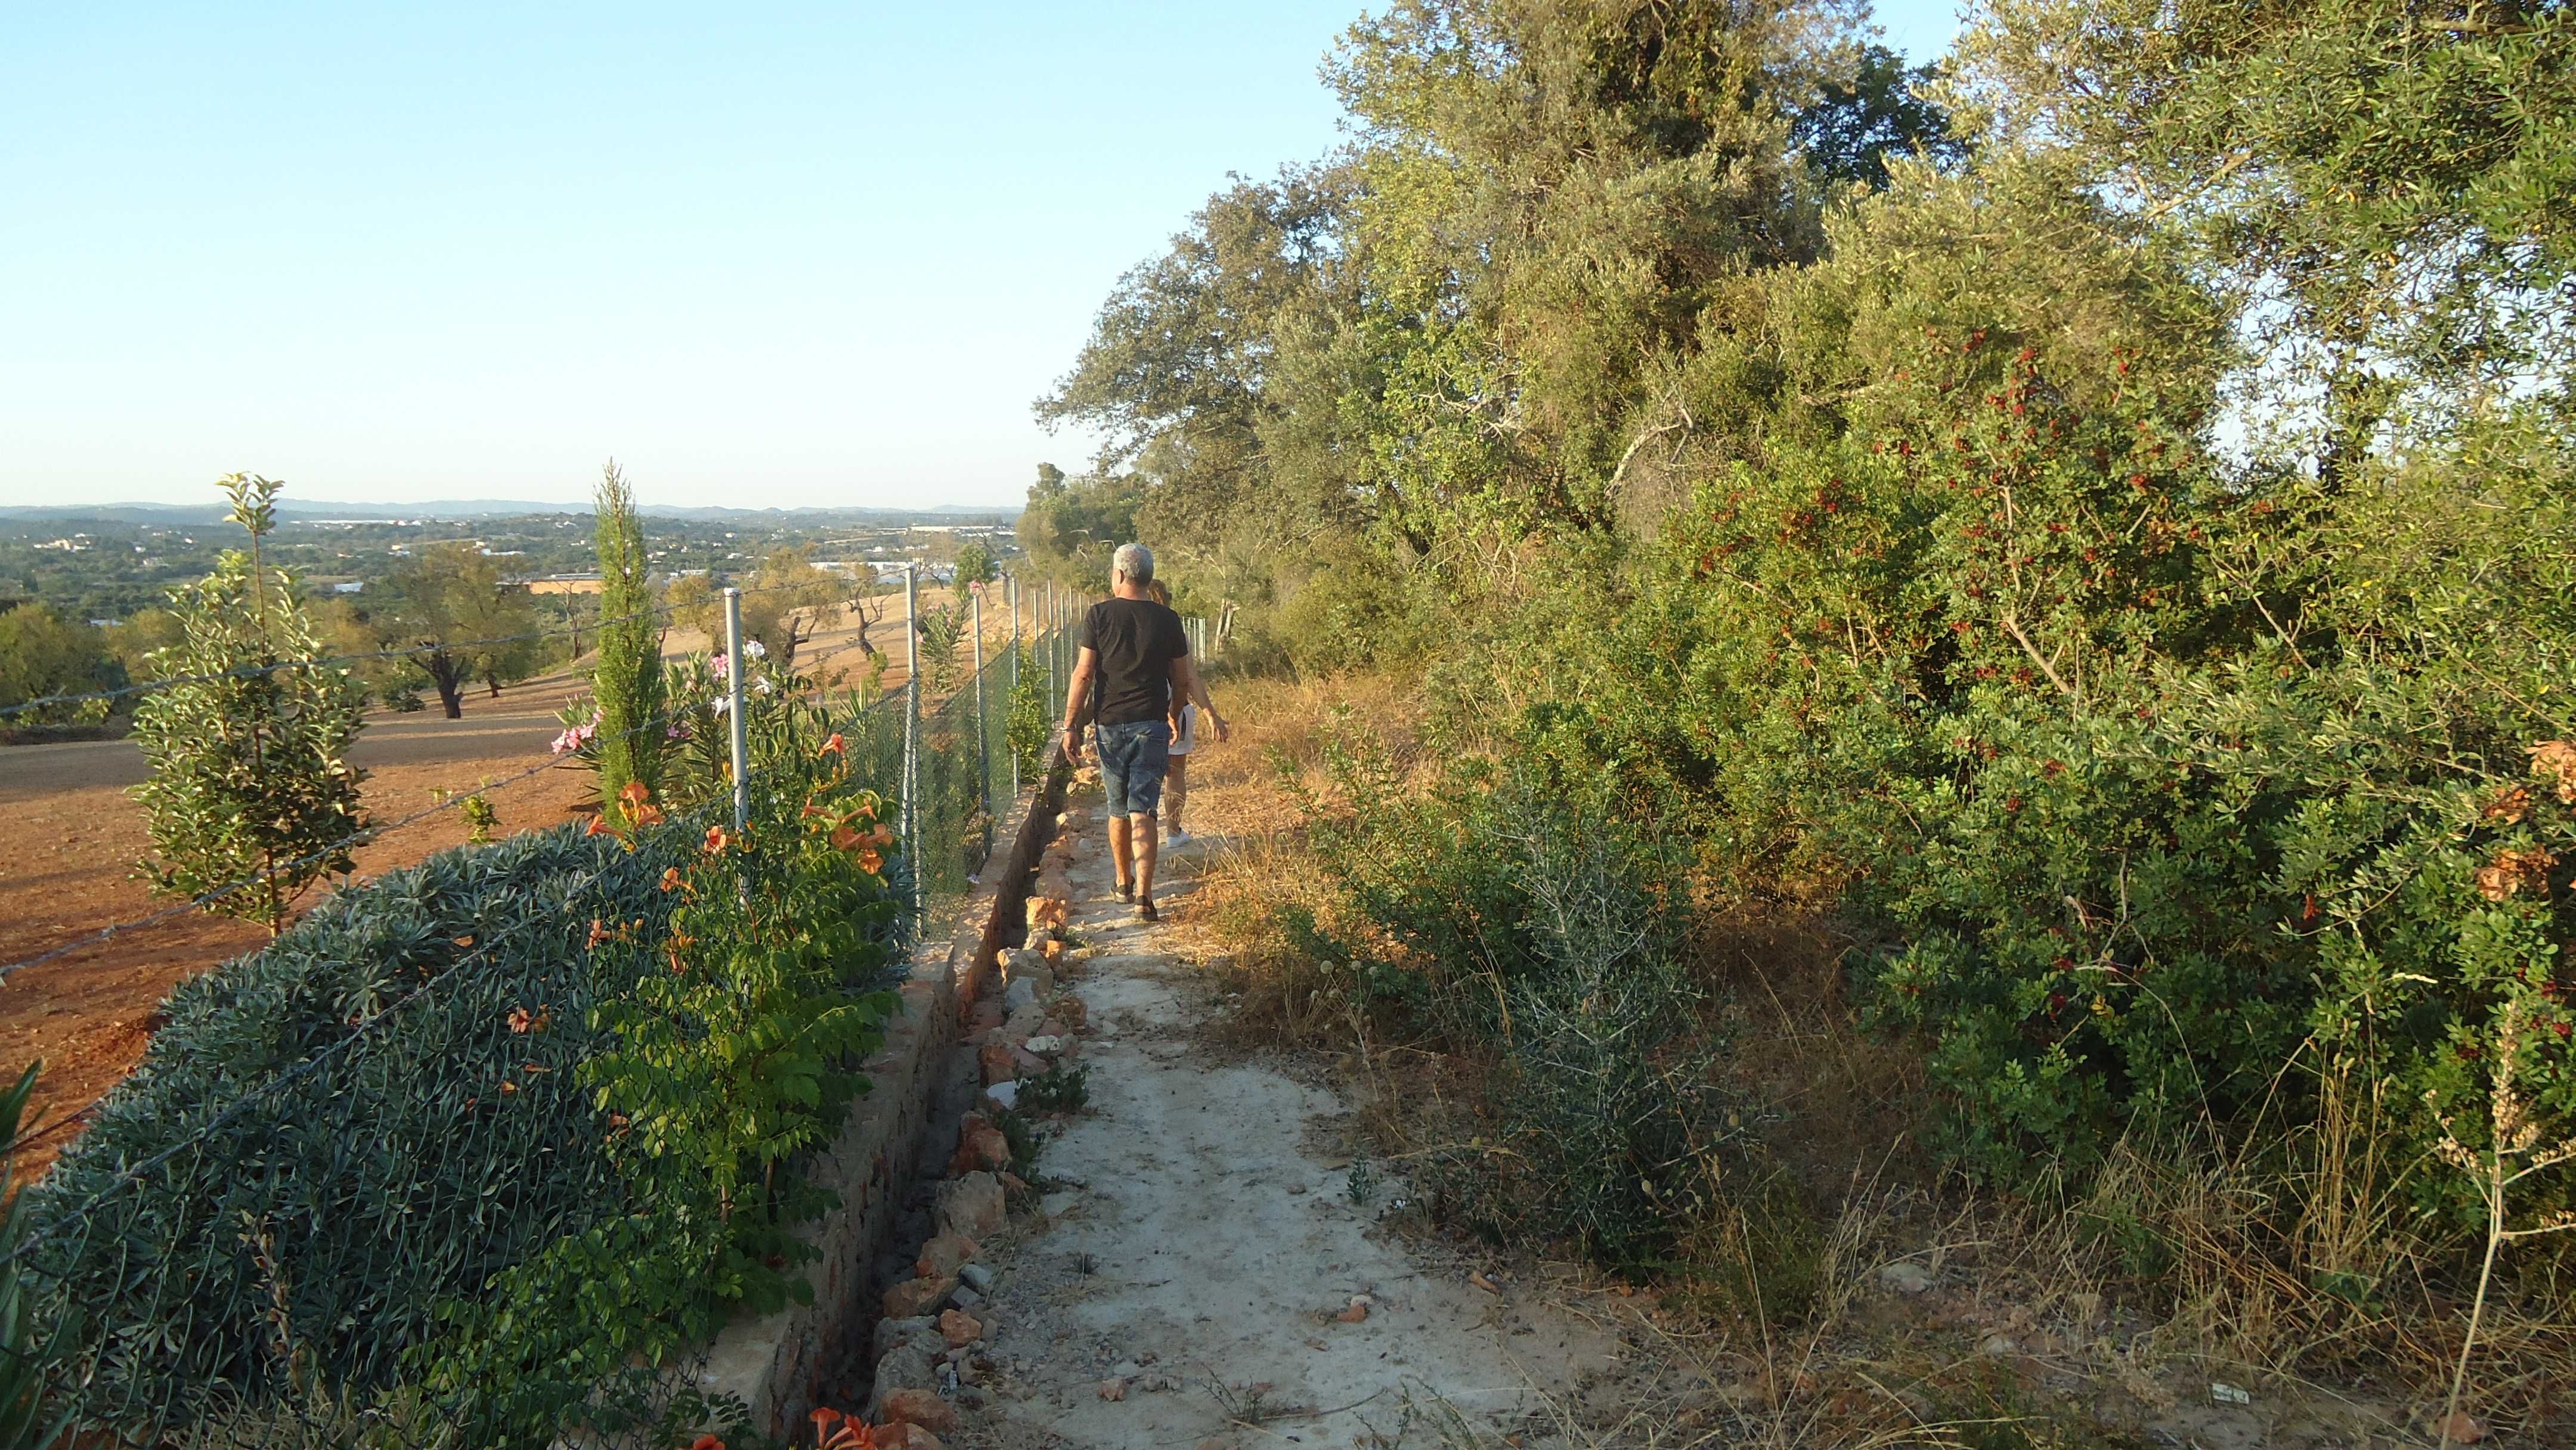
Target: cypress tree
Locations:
point(628, 677)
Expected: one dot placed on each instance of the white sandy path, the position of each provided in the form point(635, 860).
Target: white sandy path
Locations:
point(1212, 1239)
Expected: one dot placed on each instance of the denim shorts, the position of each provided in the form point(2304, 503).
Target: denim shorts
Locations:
point(1133, 757)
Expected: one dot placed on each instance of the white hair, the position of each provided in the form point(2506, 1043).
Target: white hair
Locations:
point(1135, 561)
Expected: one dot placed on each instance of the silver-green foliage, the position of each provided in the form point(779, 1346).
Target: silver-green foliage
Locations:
point(375, 1111)
point(251, 792)
point(29, 1420)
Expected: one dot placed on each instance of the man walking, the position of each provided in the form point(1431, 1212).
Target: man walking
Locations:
point(1135, 662)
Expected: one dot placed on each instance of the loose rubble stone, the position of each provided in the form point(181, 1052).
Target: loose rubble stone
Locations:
point(2462, 1427)
point(905, 1368)
point(1020, 994)
point(900, 1436)
point(1905, 1276)
point(1357, 1313)
point(965, 1298)
point(943, 1256)
point(960, 1328)
point(1113, 1390)
point(977, 1277)
point(892, 1332)
point(980, 1145)
point(1026, 1063)
point(920, 1407)
point(1045, 1044)
point(972, 1206)
point(1003, 1094)
point(917, 1297)
point(996, 1064)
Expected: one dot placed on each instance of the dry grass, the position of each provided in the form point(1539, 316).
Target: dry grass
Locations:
point(2039, 1326)
point(1261, 864)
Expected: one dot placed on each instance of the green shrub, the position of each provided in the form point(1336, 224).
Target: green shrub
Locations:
point(395, 1173)
point(29, 1419)
point(1029, 723)
point(464, 1133)
point(1062, 1088)
point(251, 792)
point(41, 654)
point(2151, 802)
point(1538, 930)
point(729, 1051)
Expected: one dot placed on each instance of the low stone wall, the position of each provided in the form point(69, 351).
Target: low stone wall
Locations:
point(774, 1363)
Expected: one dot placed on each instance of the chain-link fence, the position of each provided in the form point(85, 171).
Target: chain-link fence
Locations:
point(292, 1223)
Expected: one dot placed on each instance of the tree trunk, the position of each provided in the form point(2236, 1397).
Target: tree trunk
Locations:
point(447, 675)
point(493, 682)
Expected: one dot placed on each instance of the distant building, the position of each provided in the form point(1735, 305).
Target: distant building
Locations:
point(353, 586)
point(565, 584)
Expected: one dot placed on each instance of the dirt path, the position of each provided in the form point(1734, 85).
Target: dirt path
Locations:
point(1203, 1270)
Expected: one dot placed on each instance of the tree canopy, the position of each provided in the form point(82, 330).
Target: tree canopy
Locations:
point(2101, 504)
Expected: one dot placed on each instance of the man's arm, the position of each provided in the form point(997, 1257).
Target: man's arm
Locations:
point(1077, 701)
point(1186, 685)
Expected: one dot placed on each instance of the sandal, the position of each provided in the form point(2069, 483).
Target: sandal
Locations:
point(1146, 913)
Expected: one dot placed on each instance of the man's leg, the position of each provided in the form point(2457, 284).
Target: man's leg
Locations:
point(1176, 792)
point(1144, 807)
point(1141, 826)
point(1113, 780)
point(1121, 853)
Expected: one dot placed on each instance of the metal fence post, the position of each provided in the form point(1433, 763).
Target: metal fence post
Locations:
point(733, 693)
point(1014, 696)
point(983, 746)
point(912, 735)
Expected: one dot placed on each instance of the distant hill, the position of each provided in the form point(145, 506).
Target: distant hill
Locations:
point(482, 508)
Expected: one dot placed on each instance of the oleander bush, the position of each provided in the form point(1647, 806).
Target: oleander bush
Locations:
point(729, 1048)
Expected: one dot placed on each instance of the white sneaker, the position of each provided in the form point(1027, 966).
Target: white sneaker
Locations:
point(1178, 838)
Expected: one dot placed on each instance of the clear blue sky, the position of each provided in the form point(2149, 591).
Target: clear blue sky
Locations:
point(765, 254)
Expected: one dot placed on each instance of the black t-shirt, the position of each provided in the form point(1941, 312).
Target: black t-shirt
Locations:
point(1136, 641)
